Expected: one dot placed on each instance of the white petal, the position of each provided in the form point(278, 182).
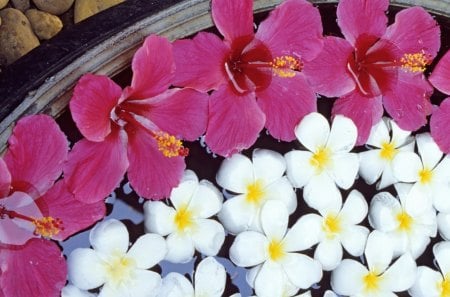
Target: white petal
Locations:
point(400, 136)
point(72, 291)
point(441, 197)
point(208, 237)
point(110, 236)
point(249, 249)
point(344, 169)
point(182, 194)
point(237, 214)
point(428, 150)
point(383, 210)
point(443, 221)
point(418, 243)
point(329, 293)
point(329, 254)
point(210, 278)
point(425, 284)
point(299, 170)
point(274, 219)
point(401, 275)
point(235, 173)
point(321, 192)
point(268, 165)
point(403, 190)
point(347, 278)
point(354, 240)
point(282, 190)
point(148, 250)
point(206, 201)
point(176, 285)
point(251, 274)
point(379, 133)
point(379, 251)
point(313, 131)
point(419, 199)
point(85, 269)
point(387, 178)
point(442, 171)
point(180, 248)
point(270, 281)
point(305, 233)
point(371, 165)
point(406, 167)
point(355, 208)
point(301, 270)
point(441, 252)
point(343, 134)
point(159, 218)
point(145, 283)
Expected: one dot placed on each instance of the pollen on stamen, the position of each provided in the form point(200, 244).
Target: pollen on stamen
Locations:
point(170, 146)
point(286, 66)
point(416, 62)
point(48, 226)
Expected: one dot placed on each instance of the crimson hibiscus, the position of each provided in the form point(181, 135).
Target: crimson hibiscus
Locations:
point(137, 130)
point(376, 65)
point(245, 66)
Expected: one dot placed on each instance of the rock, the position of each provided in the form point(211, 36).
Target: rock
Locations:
point(44, 24)
point(16, 36)
point(3, 3)
point(21, 5)
point(56, 7)
point(87, 8)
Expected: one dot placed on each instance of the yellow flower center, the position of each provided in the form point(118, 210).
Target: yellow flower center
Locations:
point(388, 151)
point(405, 221)
point(120, 269)
point(47, 226)
point(255, 192)
point(170, 146)
point(332, 225)
point(425, 176)
point(183, 219)
point(276, 250)
point(286, 66)
point(444, 287)
point(371, 281)
point(416, 62)
point(320, 159)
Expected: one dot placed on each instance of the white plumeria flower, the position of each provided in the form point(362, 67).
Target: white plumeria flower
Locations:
point(72, 291)
point(209, 281)
point(306, 294)
point(254, 183)
point(186, 223)
point(109, 264)
point(353, 279)
point(386, 140)
point(279, 267)
point(443, 221)
point(409, 231)
point(430, 283)
point(334, 228)
point(328, 163)
point(430, 174)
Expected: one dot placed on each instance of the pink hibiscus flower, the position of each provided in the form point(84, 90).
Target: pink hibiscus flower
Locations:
point(33, 209)
point(378, 66)
point(440, 119)
point(136, 130)
point(266, 65)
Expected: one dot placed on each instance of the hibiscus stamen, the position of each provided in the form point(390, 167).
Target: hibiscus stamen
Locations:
point(415, 62)
point(47, 226)
point(169, 145)
point(286, 66)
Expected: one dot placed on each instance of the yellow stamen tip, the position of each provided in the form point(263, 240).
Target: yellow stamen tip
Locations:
point(47, 226)
point(416, 62)
point(286, 66)
point(170, 146)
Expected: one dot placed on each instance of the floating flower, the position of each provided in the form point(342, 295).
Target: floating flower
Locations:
point(386, 140)
point(137, 130)
point(306, 294)
point(408, 226)
point(245, 66)
point(72, 291)
point(254, 183)
point(430, 283)
point(351, 278)
point(378, 66)
point(328, 163)
point(108, 264)
point(430, 174)
point(209, 280)
point(187, 223)
point(336, 227)
point(33, 209)
point(274, 251)
point(443, 221)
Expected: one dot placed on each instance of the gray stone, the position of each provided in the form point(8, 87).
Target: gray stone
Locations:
point(56, 7)
point(21, 5)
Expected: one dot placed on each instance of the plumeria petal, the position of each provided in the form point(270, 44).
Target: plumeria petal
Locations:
point(443, 220)
point(175, 285)
point(281, 190)
point(210, 278)
point(440, 124)
point(145, 283)
point(428, 150)
point(181, 195)
point(249, 249)
point(269, 281)
point(401, 275)
point(298, 171)
point(370, 166)
point(321, 192)
point(208, 237)
point(72, 291)
point(268, 165)
point(304, 233)
point(317, 123)
point(343, 134)
point(355, 208)
point(207, 200)
point(329, 254)
point(346, 278)
point(237, 214)
point(159, 218)
point(344, 169)
point(274, 219)
point(425, 285)
point(354, 240)
point(407, 166)
point(180, 248)
point(441, 252)
point(241, 11)
point(109, 237)
point(301, 270)
point(148, 250)
point(235, 173)
point(85, 269)
point(379, 251)
point(379, 133)
point(383, 208)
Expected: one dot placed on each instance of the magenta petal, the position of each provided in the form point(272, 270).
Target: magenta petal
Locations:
point(153, 68)
point(233, 18)
point(409, 103)
point(440, 126)
point(75, 215)
point(285, 102)
point(179, 112)
point(363, 111)
point(200, 62)
point(295, 27)
point(36, 269)
point(151, 174)
point(93, 99)
point(415, 31)
point(439, 78)
point(36, 154)
point(95, 169)
point(328, 73)
point(5, 179)
point(362, 17)
point(234, 121)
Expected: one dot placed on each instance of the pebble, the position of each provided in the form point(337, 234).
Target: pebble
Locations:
point(44, 24)
point(87, 8)
point(3, 3)
point(55, 7)
point(21, 5)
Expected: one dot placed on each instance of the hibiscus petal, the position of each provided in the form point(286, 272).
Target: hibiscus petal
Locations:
point(367, 17)
point(148, 250)
point(234, 121)
point(208, 237)
point(299, 169)
point(109, 237)
point(441, 72)
point(301, 270)
point(151, 174)
point(401, 275)
point(159, 218)
point(354, 239)
point(37, 150)
point(85, 269)
point(237, 214)
point(425, 285)
point(313, 122)
point(180, 248)
point(346, 278)
point(329, 254)
point(440, 126)
point(305, 233)
point(249, 249)
point(5, 179)
point(268, 165)
point(327, 73)
point(233, 19)
point(36, 269)
point(441, 252)
point(210, 278)
point(274, 219)
point(285, 102)
point(270, 281)
point(355, 208)
point(94, 169)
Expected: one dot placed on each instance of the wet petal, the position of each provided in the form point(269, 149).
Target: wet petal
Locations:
point(207, 200)
point(181, 195)
point(305, 233)
point(85, 269)
point(109, 237)
point(329, 254)
point(5, 179)
point(281, 190)
point(440, 126)
point(148, 250)
point(180, 248)
point(317, 123)
point(210, 278)
point(241, 12)
point(301, 270)
point(249, 249)
point(208, 237)
point(379, 133)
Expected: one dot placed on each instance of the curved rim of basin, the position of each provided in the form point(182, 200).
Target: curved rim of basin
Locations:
point(42, 81)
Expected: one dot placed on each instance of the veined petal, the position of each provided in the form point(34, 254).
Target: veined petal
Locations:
point(233, 19)
point(355, 208)
point(401, 275)
point(329, 254)
point(438, 78)
point(441, 252)
point(379, 251)
point(429, 152)
point(344, 169)
point(440, 126)
point(210, 278)
point(208, 236)
point(148, 250)
point(235, 173)
point(354, 239)
point(85, 269)
point(274, 219)
point(425, 284)
point(371, 165)
point(5, 179)
point(317, 123)
point(159, 218)
point(301, 270)
point(237, 214)
point(270, 280)
point(343, 135)
point(180, 248)
point(406, 167)
point(109, 237)
point(299, 171)
point(234, 121)
point(175, 285)
point(347, 278)
point(249, 249)
point(305, 233)
point(382, 212)
point(206, 201)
